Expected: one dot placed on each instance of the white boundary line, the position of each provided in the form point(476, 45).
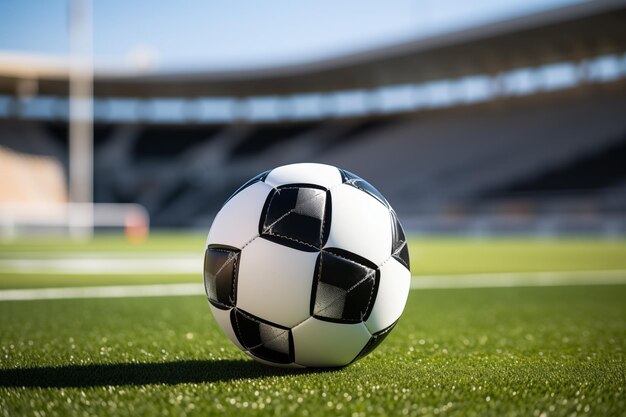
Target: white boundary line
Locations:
point(189, 264)
point(113, 291)
point(524, 279)
point(520, 279)
point(134, 254)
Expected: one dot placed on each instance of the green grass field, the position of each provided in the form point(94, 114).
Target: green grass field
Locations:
point(550, 351)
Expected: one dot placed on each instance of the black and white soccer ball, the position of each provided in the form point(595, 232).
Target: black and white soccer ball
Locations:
point(306, 265)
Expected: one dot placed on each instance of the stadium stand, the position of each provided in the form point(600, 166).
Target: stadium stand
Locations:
point(600, 169)
point(554, 142)
point(516, 126)
point(30, 179)
point(155, 142)
point(264, 138)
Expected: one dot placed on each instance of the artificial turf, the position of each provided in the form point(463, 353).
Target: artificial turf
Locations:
point(540, 352)
point(510, 351)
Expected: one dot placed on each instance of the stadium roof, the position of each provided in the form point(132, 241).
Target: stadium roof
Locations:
point(565, 34)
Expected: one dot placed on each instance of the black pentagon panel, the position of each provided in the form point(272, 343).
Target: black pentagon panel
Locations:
point(358, 182)
point(399, 245)
point(344, 288)
point(262, 339)
point(297, 216)
point(254, 180)
point(376, 339)
point(220, 275)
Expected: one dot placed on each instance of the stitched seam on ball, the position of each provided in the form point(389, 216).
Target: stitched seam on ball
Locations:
point(235, 266)
point(397, 251)
point(353, 287)
point(347, 259)
point(233, 285)
point(277, 190)
point(318, 278)
point(240, 338)
point(369, 300)
point(230, 258)
point(320, 194)
point(358, 283)
point(249, 349)
point(266, 342)
point(249, 242)
point(327, 194)
point(310, 317)
point(368, 276)
point(311, 199)
point(352, 182)
point(323, 219)
point(265, 229)
point(294, 239)
point(386, 260)
point(267, 213)
point(269, 205)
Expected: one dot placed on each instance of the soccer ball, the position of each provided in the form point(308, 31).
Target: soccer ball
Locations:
point(306, 265)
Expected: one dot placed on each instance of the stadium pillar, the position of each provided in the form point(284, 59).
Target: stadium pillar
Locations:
point(80, 213)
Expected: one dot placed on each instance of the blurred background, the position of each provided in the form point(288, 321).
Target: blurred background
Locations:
point(495, 128)
point(473, 118)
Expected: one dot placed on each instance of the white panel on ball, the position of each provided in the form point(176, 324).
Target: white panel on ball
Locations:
point(322, 343)
point(308, 173)
point(393, 290)
point(359, 224)
point(275, 282)
point(238, 221)
point(223, 319)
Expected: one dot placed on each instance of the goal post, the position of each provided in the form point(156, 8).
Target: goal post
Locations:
point(81, 120)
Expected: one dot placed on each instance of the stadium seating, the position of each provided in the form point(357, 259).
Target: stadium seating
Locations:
point(30, 179)
point(441, 161)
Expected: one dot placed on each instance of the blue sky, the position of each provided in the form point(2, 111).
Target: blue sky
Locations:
point(195, 34)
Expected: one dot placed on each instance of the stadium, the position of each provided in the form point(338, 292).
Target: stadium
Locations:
point(501, 147)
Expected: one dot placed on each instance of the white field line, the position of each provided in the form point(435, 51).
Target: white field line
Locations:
point(191, 263)
point(113, 291)
point(520, 279)
point(530, 279)
point(100, 254)
point(159, 264)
